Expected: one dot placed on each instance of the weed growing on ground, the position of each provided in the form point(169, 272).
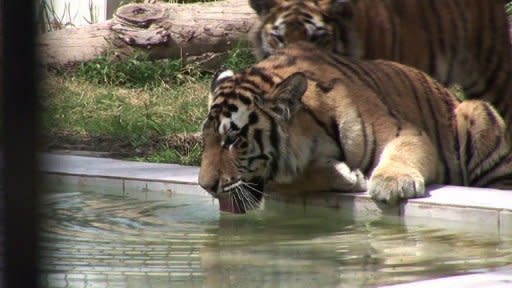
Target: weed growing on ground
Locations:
point(191, 155)
point(135, 72)
point(240, 57)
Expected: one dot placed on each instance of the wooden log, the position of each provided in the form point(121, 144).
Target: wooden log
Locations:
point(162, 30)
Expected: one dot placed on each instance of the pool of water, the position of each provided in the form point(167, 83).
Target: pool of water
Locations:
point(96, 240)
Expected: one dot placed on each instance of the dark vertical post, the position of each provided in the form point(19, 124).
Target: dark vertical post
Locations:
point(19, 134)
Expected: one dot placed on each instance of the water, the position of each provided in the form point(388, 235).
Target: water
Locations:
point(96, 240)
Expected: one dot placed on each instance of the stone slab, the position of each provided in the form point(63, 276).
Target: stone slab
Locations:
point(495, 279)
point(106, 167)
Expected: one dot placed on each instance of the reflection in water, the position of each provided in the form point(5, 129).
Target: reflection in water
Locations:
point(94, 239)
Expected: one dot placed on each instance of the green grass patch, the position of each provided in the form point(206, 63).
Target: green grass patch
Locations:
point(135, 72)
point(240, 57)
point(191, 156)
point(134, 114)
point(133, 101)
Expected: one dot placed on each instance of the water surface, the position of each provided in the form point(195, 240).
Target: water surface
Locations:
point(97, 240)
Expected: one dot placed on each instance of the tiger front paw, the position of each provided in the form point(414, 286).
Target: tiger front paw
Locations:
point(391, 188)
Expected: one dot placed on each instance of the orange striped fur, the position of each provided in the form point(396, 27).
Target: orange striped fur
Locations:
point(305, 121)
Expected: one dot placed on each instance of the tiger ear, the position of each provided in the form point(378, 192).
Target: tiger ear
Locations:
point(288, 94)
point(218, 78)
point(262, 7)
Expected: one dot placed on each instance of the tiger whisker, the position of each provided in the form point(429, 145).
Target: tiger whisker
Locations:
point(243, 197)
point(240, 195)
point(237, 195)
point(233, 200)
point(250, 186)
point(254, 201)
point(252, 198)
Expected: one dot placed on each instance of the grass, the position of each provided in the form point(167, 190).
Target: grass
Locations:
point(191, 156)
point(135, 72)
point(134, 114)
point(135, 105)
point(240, 57)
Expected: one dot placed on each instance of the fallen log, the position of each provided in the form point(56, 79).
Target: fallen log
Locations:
point(162, 30)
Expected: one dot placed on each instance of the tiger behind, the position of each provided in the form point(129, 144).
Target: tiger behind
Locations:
point(305, 121)
point(463, 42)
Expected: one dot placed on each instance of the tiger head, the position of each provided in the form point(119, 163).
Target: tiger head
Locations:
point(323, 22)
point(243, 135)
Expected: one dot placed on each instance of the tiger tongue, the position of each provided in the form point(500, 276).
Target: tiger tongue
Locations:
point(228, 204)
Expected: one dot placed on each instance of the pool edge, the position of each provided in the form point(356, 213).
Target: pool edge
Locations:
point(492, 211)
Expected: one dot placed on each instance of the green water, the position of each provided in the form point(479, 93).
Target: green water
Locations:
point(95, 240)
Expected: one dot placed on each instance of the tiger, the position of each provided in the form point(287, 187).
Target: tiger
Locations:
point(304, 121)
point(464, 44)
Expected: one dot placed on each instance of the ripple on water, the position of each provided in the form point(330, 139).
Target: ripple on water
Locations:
point(108, 240)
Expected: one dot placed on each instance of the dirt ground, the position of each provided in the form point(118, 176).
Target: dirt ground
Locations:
point(106, 146)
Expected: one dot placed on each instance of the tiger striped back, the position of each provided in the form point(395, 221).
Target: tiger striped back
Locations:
point(458, 42)
point(303, 116)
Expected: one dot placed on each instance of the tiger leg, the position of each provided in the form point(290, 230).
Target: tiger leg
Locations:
point(485, 151)
point(406, 164)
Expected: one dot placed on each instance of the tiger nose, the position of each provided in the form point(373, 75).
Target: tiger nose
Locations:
point(210, 187)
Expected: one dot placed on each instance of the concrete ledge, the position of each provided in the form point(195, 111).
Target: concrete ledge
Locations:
point(501, 278)
point(112, 168)
point(147, 181)
point(489, 210)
